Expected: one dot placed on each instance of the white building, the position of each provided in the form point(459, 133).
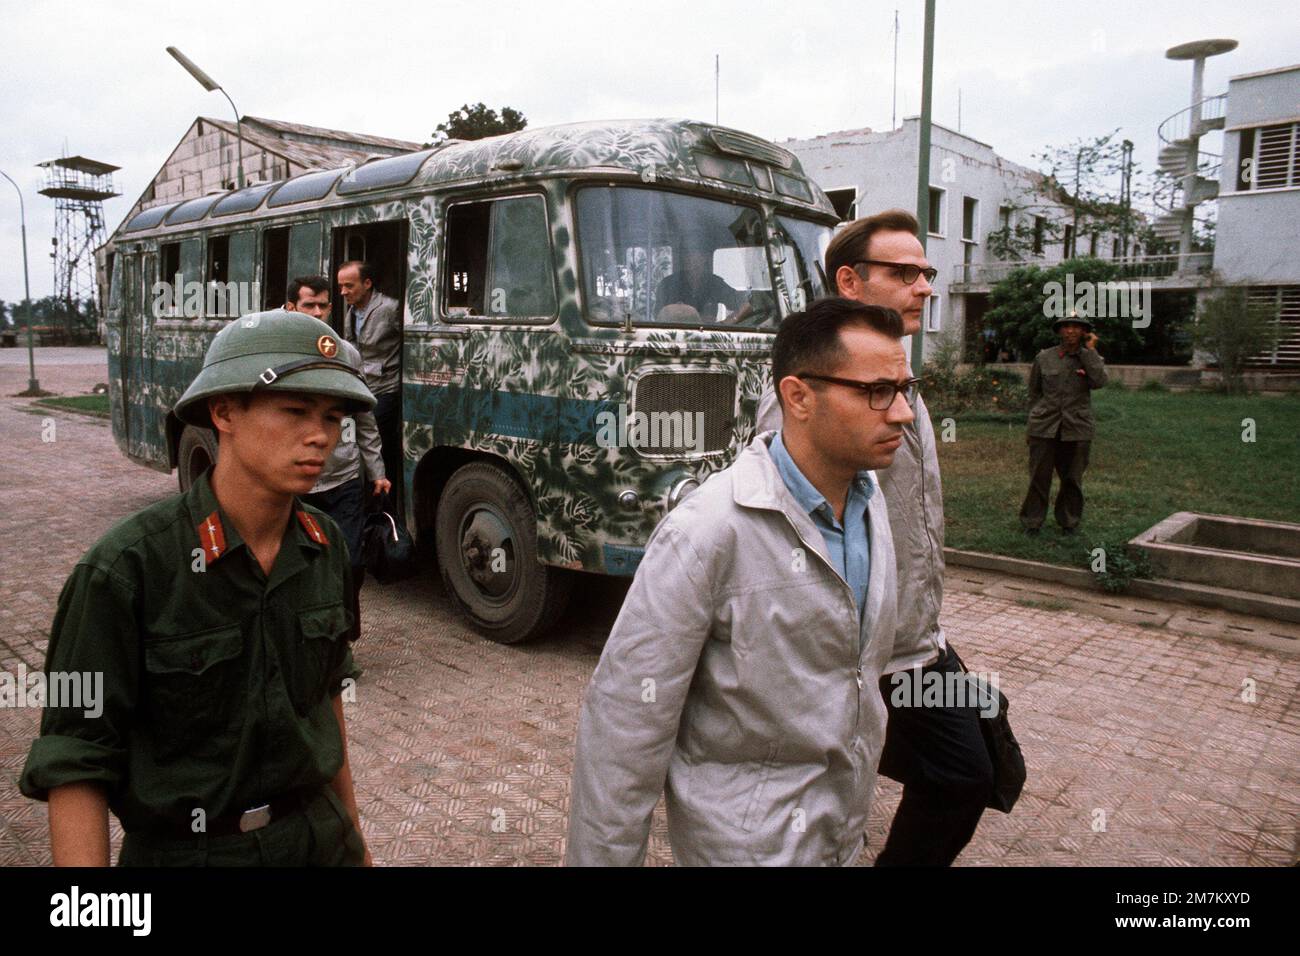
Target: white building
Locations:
point(973, 192)
point(1258, 234)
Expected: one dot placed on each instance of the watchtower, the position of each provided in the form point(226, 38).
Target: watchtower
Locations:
point(78, 187)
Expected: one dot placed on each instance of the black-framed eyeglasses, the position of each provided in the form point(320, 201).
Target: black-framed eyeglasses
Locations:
point(906, 271)
point(880, 395)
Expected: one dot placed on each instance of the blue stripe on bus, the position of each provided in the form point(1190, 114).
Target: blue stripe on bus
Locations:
point(545, 418)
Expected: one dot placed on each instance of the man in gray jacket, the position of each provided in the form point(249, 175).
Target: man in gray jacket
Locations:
point(936, 752)
point(740, 676)
point(373, 322)
point(340, 488)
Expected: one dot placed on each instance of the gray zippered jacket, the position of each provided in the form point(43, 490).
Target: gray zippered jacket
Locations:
point(733, 683)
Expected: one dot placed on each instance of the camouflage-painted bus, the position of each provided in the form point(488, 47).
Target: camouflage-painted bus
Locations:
point(558, 310)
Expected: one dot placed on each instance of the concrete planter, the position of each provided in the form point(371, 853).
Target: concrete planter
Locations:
point(1243, 554)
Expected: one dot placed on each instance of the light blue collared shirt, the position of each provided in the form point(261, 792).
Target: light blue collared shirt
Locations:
point(848, 543)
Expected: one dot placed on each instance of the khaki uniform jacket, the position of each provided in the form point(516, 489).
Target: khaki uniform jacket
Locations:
point(380, 342)
point(734, 683)
point(914, 493)
point(1060, 388)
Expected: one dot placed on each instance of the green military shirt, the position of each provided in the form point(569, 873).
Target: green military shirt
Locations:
point(216, 680)
point(1060, 393)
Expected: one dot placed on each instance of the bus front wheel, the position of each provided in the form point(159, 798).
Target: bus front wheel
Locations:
point(197, 450)
point(486, 538)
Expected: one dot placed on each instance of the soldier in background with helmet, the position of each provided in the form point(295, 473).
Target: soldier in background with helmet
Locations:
point(219, 620)
point(1060, 423)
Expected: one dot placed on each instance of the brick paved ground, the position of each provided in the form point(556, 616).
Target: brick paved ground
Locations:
point(462, 750)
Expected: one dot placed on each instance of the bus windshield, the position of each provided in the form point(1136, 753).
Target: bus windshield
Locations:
point(799, 256)
point(661, 258)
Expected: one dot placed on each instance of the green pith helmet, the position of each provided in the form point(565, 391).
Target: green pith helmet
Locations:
point(1072, 319)
point(278, 351)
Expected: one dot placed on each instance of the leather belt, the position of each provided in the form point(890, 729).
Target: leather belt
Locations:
point(254, 818)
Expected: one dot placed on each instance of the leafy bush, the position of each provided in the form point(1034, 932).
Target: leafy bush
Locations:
point(983, 388)
point(1122, 566)
point(1154, 385)
point(1232, 330)
point(1018, 310)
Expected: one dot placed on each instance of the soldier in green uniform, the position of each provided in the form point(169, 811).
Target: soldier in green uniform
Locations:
point(1060, 423)
point(219, 620)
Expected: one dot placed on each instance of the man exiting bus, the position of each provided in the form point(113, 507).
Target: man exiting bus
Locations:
point(936, 751)
point(373, 322)
point(219, 622)
point(340, 491)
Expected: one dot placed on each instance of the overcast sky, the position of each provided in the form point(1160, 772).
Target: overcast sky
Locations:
point(94, 78)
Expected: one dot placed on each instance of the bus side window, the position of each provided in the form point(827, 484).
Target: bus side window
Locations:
point(230, 272)
point(275, 267)
point(499, 260)
point(170, 257)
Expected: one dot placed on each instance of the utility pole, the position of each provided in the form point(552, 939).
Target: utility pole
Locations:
point(1126, 195)
point(893, 117)
point(923, 165)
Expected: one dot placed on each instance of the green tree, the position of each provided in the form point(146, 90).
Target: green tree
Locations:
point(1233, 329)
point(1020, 315)
point(479, 122)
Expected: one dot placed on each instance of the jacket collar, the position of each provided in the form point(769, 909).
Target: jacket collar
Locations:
point(217, 538)
point(756, 483)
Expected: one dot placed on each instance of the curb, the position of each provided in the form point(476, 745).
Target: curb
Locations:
point(1259, 605)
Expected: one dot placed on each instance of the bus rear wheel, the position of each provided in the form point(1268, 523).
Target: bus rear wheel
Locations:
point(197, 451)
point(486, 538)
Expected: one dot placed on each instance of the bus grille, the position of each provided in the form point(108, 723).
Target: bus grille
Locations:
point(711, 393)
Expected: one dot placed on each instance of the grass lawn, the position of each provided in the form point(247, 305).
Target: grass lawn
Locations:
point(89, 404)
point(1154, 453)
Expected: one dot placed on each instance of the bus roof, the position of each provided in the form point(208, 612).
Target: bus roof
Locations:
point(659, 150)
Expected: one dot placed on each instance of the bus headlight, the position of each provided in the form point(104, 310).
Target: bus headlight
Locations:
point(680, 489)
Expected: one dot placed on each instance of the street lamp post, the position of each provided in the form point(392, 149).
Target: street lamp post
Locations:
point(211, 85)
point(33, 385)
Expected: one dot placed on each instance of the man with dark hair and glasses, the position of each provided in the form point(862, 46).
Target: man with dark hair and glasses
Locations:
point(740, 678)
point(936, 752)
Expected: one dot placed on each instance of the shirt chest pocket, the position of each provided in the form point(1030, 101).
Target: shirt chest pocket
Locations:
point(317, 654)
point(193, 684)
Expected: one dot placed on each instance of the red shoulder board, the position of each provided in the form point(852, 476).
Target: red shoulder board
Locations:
point(212, 536)
point(313, 528)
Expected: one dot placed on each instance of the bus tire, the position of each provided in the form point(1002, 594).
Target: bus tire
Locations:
point(197, 450)
point(485, 534)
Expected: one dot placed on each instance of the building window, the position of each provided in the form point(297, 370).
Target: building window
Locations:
point(1273, 157)
point(969, 218)
point(1285, 301)
point(1067, 245)
point(933, 313)
point(845, 202)
point(935, 225)
point(1004, 218)
point(1114, 248)
point(1040, 224)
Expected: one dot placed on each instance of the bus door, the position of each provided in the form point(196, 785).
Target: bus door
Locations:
point(383, 245)
point(137, 345)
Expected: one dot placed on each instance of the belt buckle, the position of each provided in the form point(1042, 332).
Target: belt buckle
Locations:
point(255, 819)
